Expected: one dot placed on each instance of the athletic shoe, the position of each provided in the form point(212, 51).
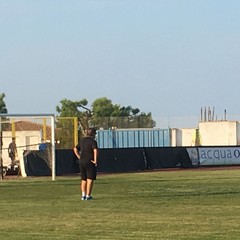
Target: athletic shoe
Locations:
point(83, 198)
point(89, 198)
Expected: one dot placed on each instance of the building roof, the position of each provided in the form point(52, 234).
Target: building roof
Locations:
point(27, 126)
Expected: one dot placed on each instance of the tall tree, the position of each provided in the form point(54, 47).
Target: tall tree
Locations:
point(103, 111)
point(77, 109)
point(108, 115)
point(104, 114)
point(3, 108)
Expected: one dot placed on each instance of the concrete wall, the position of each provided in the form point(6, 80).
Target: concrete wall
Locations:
point(238, 133)
point(182, 137)
point(219, 133)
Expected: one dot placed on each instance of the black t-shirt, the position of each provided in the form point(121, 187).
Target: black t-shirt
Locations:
point(85, 147)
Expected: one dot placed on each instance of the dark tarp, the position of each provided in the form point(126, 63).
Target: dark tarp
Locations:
point(121, 160)
point(110, 160)
point(35, 165)
point(167, 157)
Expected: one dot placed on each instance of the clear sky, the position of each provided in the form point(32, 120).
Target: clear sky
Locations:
point(167, 57)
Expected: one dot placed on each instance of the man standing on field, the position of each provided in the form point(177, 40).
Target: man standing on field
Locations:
point(12, 152)
point(87, 152)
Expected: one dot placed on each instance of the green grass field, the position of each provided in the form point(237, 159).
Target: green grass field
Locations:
point(183, 205)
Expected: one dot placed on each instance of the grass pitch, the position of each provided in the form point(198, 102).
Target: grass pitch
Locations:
point(173, 205)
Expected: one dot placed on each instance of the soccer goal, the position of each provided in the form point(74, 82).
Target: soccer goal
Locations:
point(23, 134)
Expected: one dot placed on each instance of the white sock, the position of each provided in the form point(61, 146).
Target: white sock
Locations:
point(83, 194)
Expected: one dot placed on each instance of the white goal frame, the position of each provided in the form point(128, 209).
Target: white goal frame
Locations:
point(52, 118)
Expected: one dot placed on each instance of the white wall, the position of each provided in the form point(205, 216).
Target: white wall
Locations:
point(182, 137)
point(238, 133)
point(219, 133)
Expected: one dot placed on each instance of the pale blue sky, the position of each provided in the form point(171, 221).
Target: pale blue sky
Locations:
point(167, 57)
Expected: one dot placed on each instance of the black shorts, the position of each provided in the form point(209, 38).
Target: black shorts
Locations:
point(88, 170)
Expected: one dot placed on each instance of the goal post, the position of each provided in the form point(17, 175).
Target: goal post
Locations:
point(30, 131)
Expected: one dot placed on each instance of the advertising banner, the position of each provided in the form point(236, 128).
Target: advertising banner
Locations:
point(214, 155)
point(193, 155)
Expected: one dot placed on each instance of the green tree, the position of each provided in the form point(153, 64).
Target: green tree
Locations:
point(108, 115)
point(103, 107)
point(77, 109)
point(65, 128)
point(3, 108)
point(104, 114)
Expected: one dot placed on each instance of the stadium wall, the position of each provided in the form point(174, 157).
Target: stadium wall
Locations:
point(110, 160)
point(136, 159)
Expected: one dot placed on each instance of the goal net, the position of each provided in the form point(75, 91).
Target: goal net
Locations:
point(23, 136)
